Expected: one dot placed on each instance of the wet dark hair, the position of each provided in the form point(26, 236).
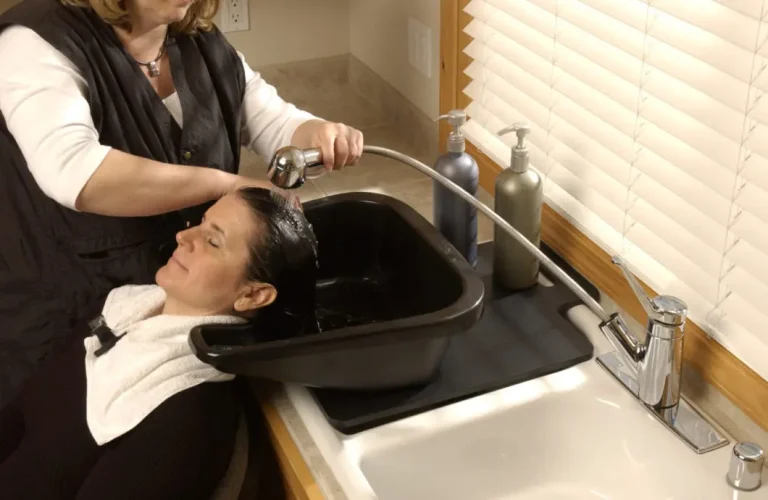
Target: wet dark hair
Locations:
point(284, 255)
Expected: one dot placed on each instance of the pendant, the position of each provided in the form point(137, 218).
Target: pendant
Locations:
point(153, 69)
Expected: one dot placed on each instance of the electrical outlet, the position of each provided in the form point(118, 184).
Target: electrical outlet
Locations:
point(232, 15)
point(238, 14)
point(420, 47)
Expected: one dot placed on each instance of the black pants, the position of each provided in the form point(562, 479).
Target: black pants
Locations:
point(180, 451)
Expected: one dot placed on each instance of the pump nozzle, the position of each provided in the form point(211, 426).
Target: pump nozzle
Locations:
point(522, 129)
point(456, 118)
point(519, 162)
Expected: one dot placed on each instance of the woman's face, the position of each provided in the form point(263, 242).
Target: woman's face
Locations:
point(207, 273)
point(159, 11)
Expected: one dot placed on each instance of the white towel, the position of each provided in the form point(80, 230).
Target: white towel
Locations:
point(151, 362)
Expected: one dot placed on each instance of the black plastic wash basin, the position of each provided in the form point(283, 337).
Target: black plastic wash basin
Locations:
point(390, 294)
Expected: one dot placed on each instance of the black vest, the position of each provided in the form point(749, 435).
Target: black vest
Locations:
point(55, 262)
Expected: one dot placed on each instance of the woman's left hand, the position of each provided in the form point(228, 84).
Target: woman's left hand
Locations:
point(341, 145)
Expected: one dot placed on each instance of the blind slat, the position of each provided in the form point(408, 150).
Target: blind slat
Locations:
point(745, 285)
point(748, 227)
point(577, 147)
point(577, 44)
point(755, 201)
point(742, 315)
point(750, 8)
point(695, 103)
point(755, 171)
point(717, 19)
point(749, 258)
point(564, 178)
point(577, 34)
point(722, 149)
point(669, 33)
point(686, 185)
point(687, 222)
point(576, 177)
point(605, 228)
point(707, 255)
point(601, 230)
point(697, 165)
point(656, 275)
point(670, 258)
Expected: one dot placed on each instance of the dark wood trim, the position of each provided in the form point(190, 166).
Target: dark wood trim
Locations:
point(449, 44)
point(298, 481)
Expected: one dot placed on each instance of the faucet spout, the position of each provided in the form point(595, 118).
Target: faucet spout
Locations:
point(627, 346)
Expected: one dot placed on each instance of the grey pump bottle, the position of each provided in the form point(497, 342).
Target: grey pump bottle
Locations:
point(518, 200)
point(455, 218)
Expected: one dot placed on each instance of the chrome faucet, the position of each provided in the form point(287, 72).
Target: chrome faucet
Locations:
point(650, 370)
point(657, 363)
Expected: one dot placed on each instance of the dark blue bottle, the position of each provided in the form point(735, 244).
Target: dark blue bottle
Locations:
point(455, 218)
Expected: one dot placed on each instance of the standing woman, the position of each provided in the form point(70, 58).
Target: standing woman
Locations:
point(120, 121)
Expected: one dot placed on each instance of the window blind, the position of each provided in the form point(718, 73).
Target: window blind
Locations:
point(650, 128)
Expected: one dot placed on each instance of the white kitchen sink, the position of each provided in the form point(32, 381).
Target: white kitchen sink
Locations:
point(574, 435)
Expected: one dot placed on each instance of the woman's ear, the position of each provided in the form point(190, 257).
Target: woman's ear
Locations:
point(255, 296)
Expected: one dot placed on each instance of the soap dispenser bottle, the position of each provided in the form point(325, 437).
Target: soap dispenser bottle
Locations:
point(455, 218)
point(518, 200)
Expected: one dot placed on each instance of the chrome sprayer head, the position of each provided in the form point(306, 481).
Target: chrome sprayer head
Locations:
point(291, 166)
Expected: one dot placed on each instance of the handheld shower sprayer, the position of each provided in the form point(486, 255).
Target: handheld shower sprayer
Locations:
point(290, 167)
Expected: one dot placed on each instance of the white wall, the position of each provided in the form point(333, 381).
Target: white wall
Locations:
point(282, 31)
point(374, 31)
point(379, 38)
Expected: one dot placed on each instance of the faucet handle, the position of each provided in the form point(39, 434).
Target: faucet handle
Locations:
point(746, 466)
point(662, 308)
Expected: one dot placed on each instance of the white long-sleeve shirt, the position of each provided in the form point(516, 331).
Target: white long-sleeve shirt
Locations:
point(42, 98)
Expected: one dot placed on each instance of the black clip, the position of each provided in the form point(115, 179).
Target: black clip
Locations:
point(104, 333)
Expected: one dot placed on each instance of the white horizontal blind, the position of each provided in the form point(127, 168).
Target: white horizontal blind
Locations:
point(650, 127)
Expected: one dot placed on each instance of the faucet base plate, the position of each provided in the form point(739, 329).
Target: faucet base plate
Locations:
point(687, 423)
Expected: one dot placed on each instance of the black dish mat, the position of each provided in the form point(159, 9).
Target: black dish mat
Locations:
point(521, 336)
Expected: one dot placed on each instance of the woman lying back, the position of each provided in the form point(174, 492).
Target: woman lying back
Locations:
point(139, 416)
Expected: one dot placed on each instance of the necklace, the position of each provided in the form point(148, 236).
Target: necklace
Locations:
point(152, 65)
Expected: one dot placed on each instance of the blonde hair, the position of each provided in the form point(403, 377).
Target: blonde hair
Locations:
point(199, 16)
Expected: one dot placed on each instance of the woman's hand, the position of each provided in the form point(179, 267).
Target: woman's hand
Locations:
point(341, 145)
